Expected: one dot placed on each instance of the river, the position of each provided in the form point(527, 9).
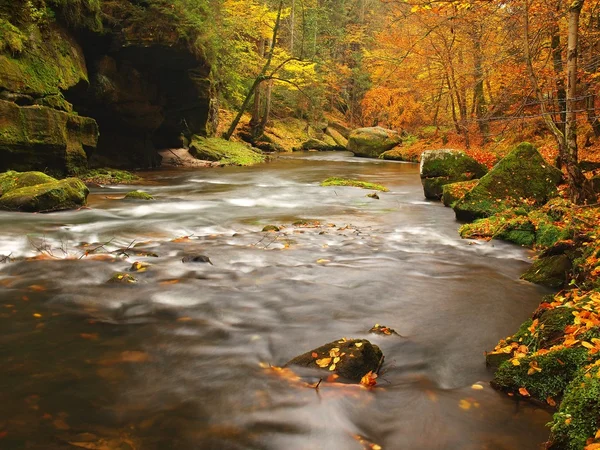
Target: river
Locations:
point(174, 360)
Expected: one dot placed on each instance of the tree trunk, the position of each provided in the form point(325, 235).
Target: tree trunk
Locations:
point(259, 79)
point(255, 120)
point(578, 189)
point(480, 104)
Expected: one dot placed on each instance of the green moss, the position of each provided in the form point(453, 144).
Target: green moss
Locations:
point(522, 175)
point(109, 176)
point(69, 193)
point(551, 271)
point(43, 67)
point(11, 38)
point(453, 192)
point(11, 180)
point(139, 195)
point(578, 418)
point(335, 181)
point(224, 152)
point(400, 154)
point(558, 368)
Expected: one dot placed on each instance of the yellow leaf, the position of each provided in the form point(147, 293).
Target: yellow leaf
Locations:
point(359, 344)
point(464, 404)
point(332, 368)
point(37, 315)
point(587, 344)
point(324, 362)
point(477, 387)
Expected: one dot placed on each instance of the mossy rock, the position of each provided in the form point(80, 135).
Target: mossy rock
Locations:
point(357, 357)
point(512, 228)
point(578, 417)
point(558, 368)
point(138, 195)
point(551, 271)
point(336, 181)
point(373, 141)
point(268, 228)
point(400, 154)
point(446, 166)
point(321, 146)
point(39, 138)
point(109, 176)
point(521, 175)
point(224, 152)
point(51, 62)
point(122, 278)
point(11, 180)
point(69, 193)
point(453, 192)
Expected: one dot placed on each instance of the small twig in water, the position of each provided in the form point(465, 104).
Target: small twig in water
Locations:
point(318, 384)
point(5, 258)
point(380, 364)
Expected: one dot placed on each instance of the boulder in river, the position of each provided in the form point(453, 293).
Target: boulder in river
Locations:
point(196, 259)
point(69, 193)
point(138, 195)
point(523, 176)
point(11, 180)
point(350, 359)
point(446, 166)
point(373, 141)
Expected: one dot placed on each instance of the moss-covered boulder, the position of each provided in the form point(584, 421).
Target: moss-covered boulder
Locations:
point(69, 193)
point(522, 176)
point(453, 192)
point(577, 421)
point(321, 146)
point(446, 166)
point(138, 195)
point(11, 180)
point(372, 142)
point(551, 271)
point(401, 154)
point(38, 137)
point(224, 152)
point(351, 359)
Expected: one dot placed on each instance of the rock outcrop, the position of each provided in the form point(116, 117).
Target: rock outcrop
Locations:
point(372, 142)
point(141, 77)
point(441, 167)
point(522, 176)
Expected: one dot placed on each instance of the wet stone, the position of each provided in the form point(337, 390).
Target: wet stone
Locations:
point(196, 259)
point(123, 278)
point(350, 359)
point(270, 228)
point(382, 330)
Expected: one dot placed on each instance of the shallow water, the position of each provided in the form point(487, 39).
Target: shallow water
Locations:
point(173, 361)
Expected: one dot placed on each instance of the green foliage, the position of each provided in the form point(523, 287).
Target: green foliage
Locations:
point(335, 181)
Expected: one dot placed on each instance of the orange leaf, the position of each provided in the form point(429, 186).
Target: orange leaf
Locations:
point(551, 401)
point(369, 379)
point(524, 392)
point(323, 362)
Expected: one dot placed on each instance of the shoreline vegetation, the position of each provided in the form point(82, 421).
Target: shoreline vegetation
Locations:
point(554, 357)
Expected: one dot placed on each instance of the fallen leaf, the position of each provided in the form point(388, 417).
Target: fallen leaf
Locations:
point(524, 392)
point(324, 362)
point(369, 379)
point(477, 387)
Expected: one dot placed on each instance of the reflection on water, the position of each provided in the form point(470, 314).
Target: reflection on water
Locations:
point(172, 361)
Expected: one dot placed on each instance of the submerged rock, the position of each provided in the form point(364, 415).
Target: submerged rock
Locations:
point(372, 142)
point(268, 228)
point(196, 259)
point(123, 278)
point(453, 192)
point(70, 193)
point(350, 359)
point(446, 166)
point(521, 176)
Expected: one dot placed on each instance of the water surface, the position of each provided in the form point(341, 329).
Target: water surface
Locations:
point(174, 360)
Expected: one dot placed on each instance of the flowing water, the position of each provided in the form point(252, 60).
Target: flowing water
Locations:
point(174, 360)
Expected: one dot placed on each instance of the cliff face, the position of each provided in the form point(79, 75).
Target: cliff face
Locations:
point(137, 79)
